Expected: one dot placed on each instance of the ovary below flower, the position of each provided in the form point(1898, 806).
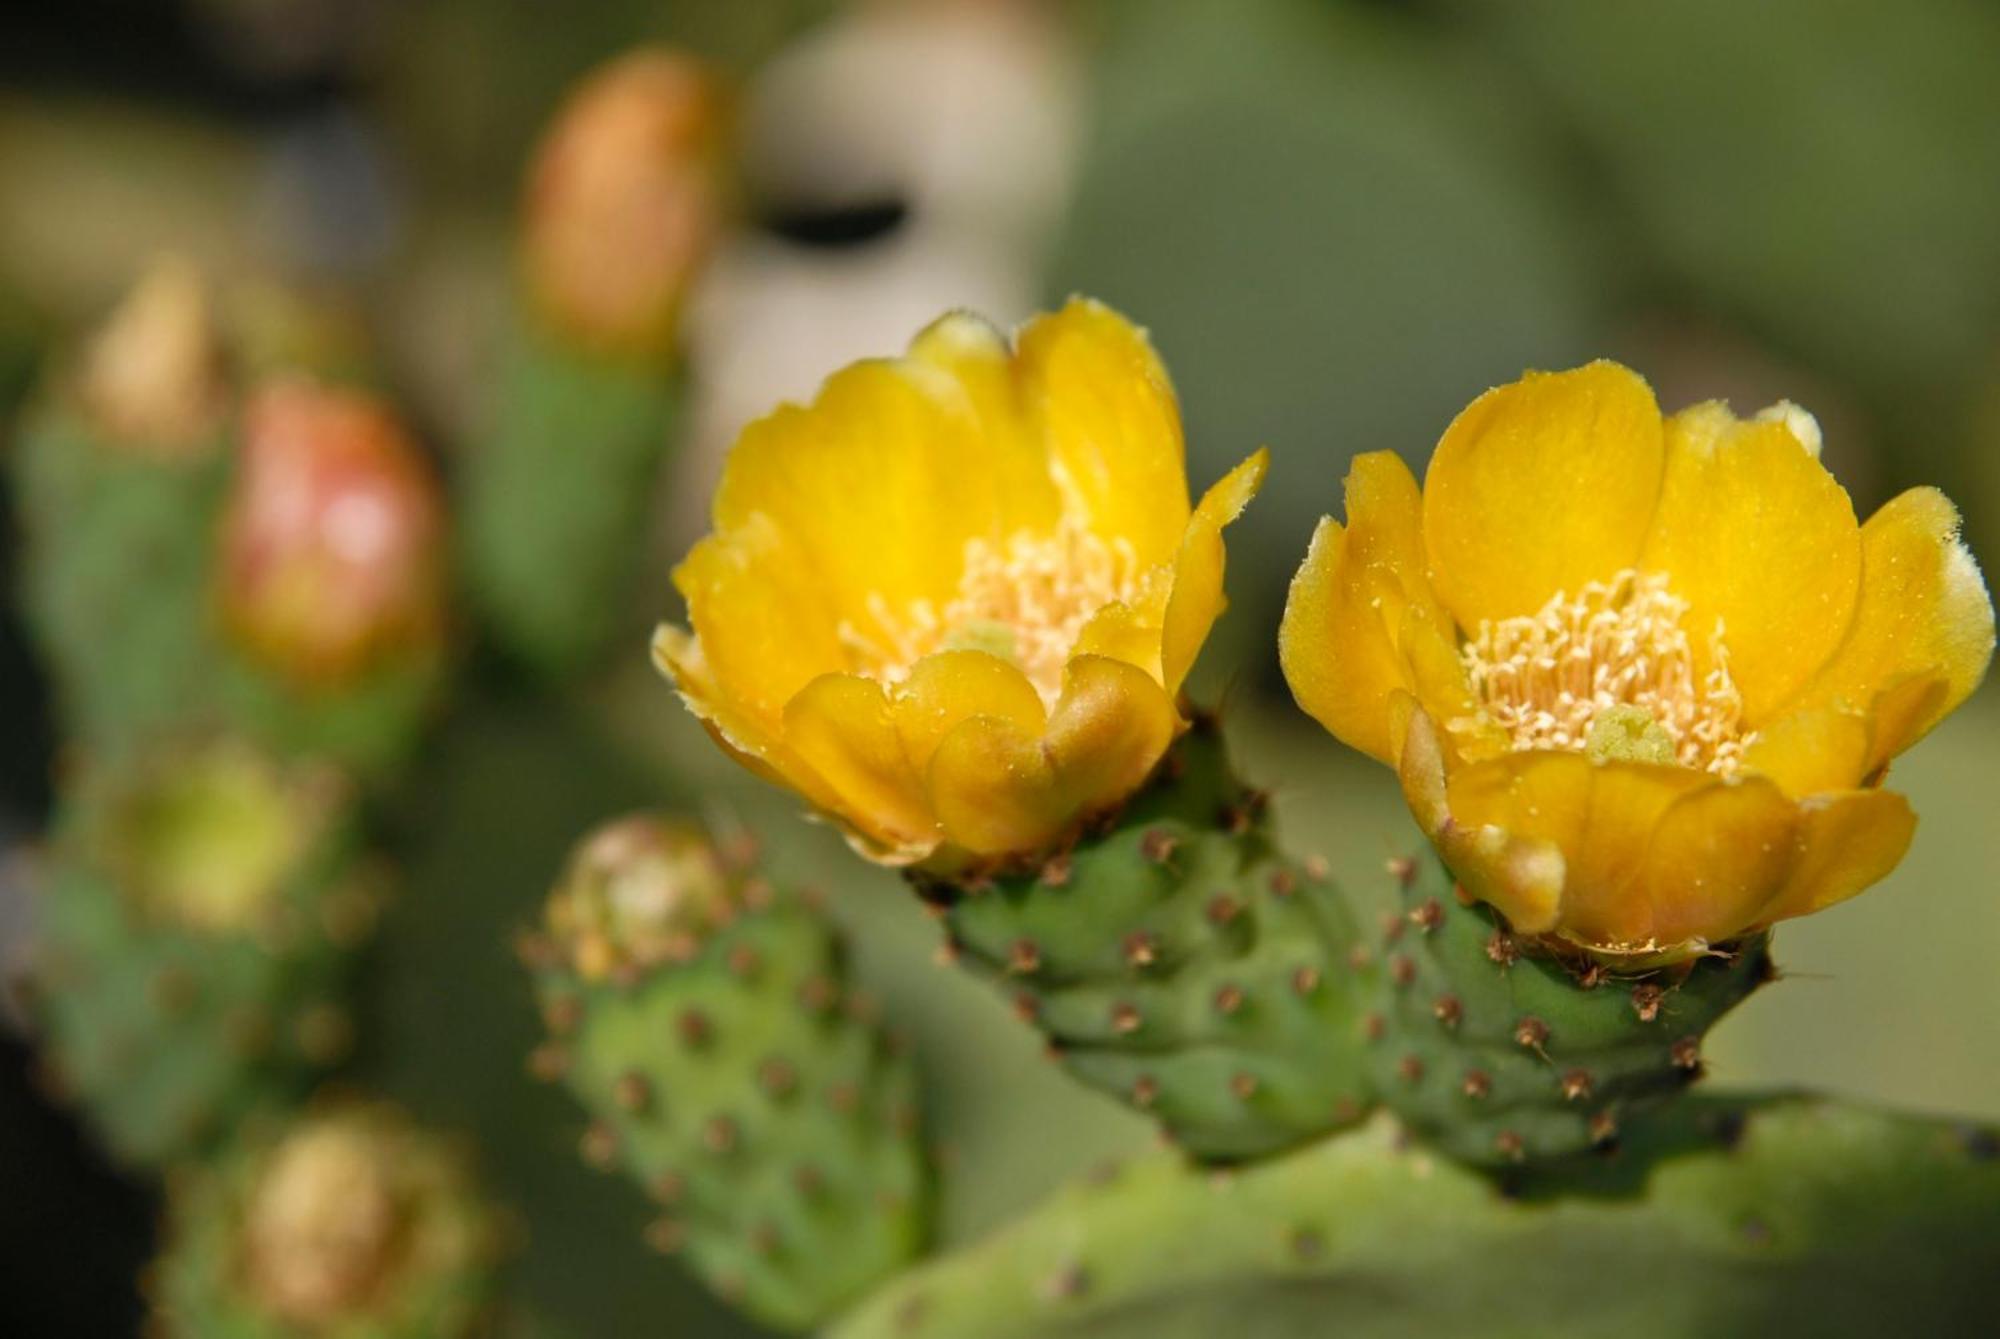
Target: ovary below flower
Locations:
point(952, 602)
point(1641, 677)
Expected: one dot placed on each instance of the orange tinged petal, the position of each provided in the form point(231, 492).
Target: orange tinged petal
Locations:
point(1719, 854)
point(1756, 536)
point(1101, 401)
point(1541, 486)
point(841, 726)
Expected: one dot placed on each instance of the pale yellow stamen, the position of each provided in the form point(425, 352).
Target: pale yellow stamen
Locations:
point(1025, 599)
point(1617, 648)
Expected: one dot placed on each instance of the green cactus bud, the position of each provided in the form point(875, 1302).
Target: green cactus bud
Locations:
point(1503, 1052)
point(347, 1223)
point(1181, 963)
point(705, 1020)
point(197, 918)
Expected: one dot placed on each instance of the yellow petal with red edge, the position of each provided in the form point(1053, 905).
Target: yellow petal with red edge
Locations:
point(841, 726)
point(761, 620)
point(1539, 487)
point(1813, 749)
point(1719, 855)
point(1600, 815)
point(951, 687)
point(1197, 598)
point(999, 789)
point(1923, 608)
point(1101, 401)
point(1757, 537)
point(1846, 841)
point(1339, 642)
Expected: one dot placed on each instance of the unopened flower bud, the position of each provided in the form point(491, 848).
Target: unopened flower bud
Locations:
point(332, 557)
point(152, 378)
point(623, 202)
point(638, 891)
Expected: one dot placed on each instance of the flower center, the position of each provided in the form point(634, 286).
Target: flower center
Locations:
point(1611, 672)
point(1024, 599)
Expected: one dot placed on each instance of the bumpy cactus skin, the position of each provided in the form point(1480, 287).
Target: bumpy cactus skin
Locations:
point(197, 921)
point(730, 1075)
point(1182, 964)
point(115, 563)
point(558, 495)
point(1791, 1216)
point(1501, 1053)
point(346, 1223)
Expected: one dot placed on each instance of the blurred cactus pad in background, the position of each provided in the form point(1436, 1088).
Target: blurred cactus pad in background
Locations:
point(623, 716)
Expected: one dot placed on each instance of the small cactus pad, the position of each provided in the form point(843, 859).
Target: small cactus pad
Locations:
point(705, 1021)
point(198, 915)
point(1181, 964)
point(1502, 1053)
point(344, 1223)
point(558, 495)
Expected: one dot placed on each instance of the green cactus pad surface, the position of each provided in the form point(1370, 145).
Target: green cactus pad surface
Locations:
point(1499, 1052)
point(1183, 965)
point(347, 1222)
point(705, 1021)
point(1728, 1217)
point(198, 918)
point(558, 495)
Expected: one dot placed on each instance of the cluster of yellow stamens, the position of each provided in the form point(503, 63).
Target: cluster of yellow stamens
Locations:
point(1613, 659)
point(1025, 599)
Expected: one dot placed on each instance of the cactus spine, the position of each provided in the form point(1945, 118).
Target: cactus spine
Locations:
point(347, 1223)
point(198, 916)
point(704, 1020)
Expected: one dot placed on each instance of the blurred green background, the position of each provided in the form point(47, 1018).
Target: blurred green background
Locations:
point(1340, 222)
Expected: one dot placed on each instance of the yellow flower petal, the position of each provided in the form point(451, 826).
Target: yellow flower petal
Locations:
point(1127, 632)
point(841, 726)
point(1846, 842)
point(1339, 641)
point(1600, 815)
point(1812, 750)
point(1718, 856)
point(998, 789)
point(1197, 599)
point(949, 688)
point(1923, 607)
point(1107, 415)
point(1756, 536)
point(1541, 486)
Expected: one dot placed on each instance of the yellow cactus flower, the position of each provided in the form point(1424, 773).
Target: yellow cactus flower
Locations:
point(1641, 677)
point(951, 603)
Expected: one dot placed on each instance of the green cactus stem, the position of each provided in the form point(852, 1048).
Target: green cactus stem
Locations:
point(347, 1223)
point(558, 496)
point(705, 1021)
point(1733, 1216)
point(199, 913)
point(1178, 961)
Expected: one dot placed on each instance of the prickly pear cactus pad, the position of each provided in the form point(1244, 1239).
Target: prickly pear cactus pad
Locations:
point(198, 915)
point(346, 1222)
point(704, 1020)
point(1180, 962)
point(1783, 1216)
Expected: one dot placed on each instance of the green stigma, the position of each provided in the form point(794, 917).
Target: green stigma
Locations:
point(1628, 734)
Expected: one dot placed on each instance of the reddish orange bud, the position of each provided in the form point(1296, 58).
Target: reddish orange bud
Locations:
point(623, 201)
point(333, 543)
